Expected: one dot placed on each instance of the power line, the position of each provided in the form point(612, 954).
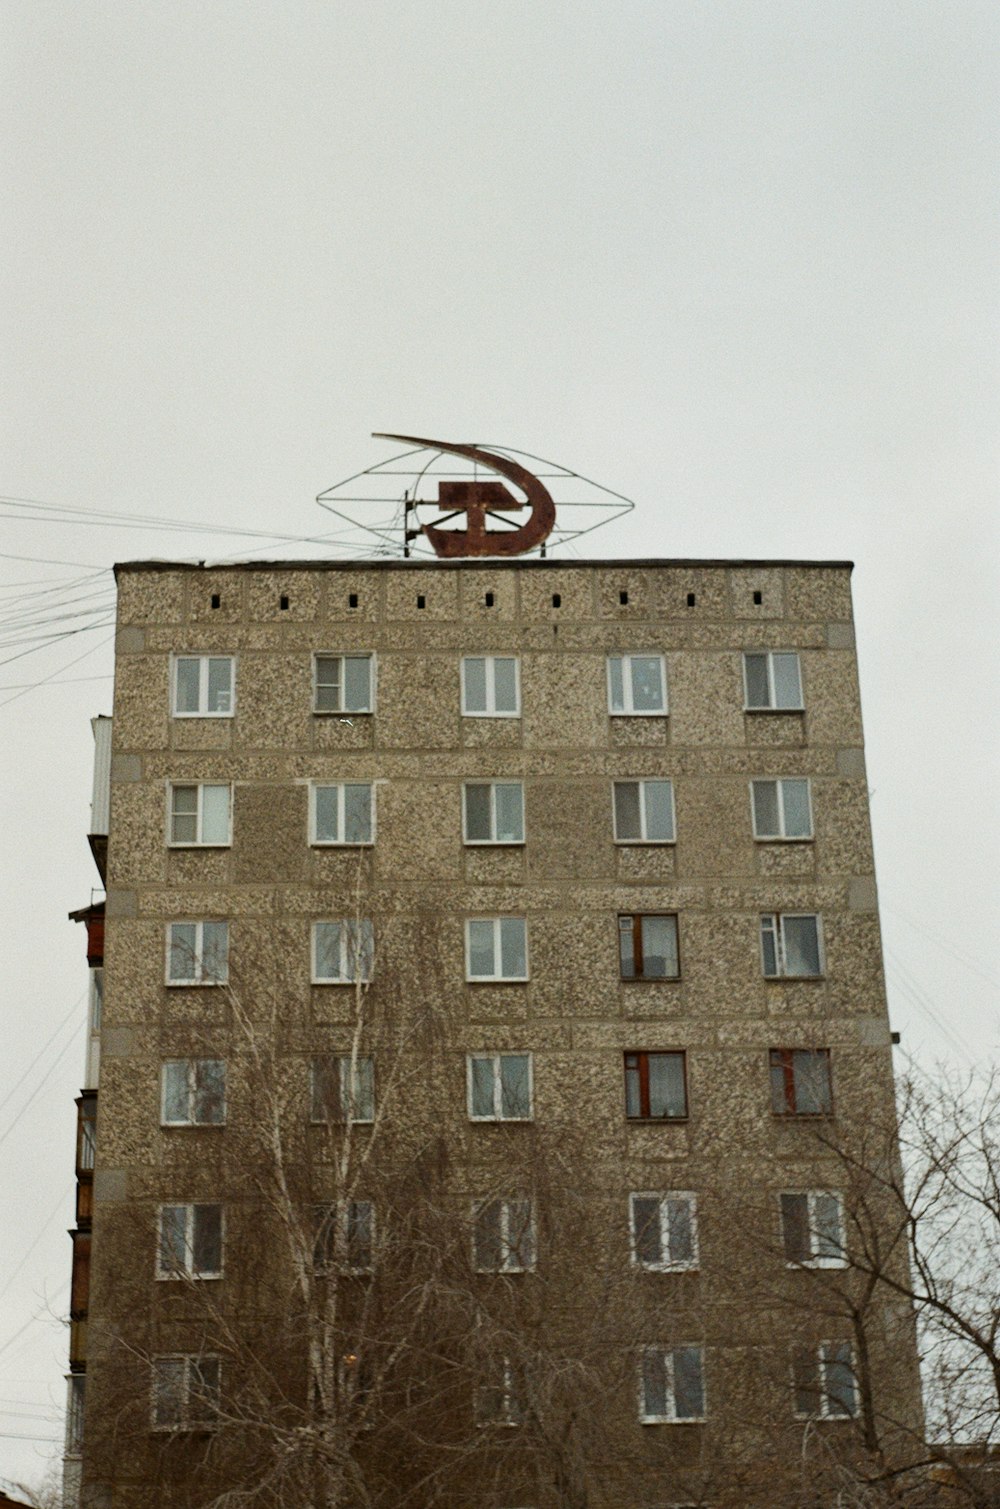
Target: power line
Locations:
point(50, 1039)
point(42, 1082)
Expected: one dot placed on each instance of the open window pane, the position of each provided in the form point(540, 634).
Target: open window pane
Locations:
point(327, 814)
point(757, 685)
point(659, 947)
point(183, 961)
point(481, 951)
point(646, 1242)
point(811, 1072)
point(209, 1091)
point(839, 1384)
point(357, 813)
point(766, 821)
point(482, 1079)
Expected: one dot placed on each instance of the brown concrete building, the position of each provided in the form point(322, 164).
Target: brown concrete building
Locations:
point(494, 1035)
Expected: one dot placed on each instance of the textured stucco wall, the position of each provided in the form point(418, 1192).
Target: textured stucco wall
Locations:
point(569, 879)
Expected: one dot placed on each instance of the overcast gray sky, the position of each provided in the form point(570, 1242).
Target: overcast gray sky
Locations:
point(738, 262)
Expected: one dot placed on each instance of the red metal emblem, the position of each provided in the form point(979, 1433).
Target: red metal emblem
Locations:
point(477, 500)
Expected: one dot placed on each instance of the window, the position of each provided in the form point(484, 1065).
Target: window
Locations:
point(342, 683)
point(503, 1239)
point(496, 948)
point(200, 815)
point(75, 1402)
point(647, 947)
point(491, 686)
point(500, 1401)
point(185, 1391)
point(343, 952)
point(825, 1381)
point(637, 685)
point(197, 953)
point(812, 1229)
point(800, 1082)
point(663, 1231)
point(190, 1242)
point(671, 1385)
point(340, 1095)
point(343, 813)
point(781, 809)
point(493, 812)
point(345, 1236)
point(193, 1092)
point(772, 681)
point(791, 944)
point(203, 686)
point(499, 1086)
point(655, 1086)
point(644, 812)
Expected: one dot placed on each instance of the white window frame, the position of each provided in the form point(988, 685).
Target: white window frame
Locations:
point(509, 1262)
point(817, 1259)
point(771, 706)
point(667, 1353)
point(777, 921)
point(642, 783)
point(496, 1062)
point(628, 710)
point(341, 788)
point(337, 1214)
point(779, 783)
point(199, 977)
point(669, 1264)
point(350, 1086)
point(191, 1073)
point(495, 979)
point(356, 927)
point(512, 1410)
point(199, 842)
point(202, 709)
point(342, 655)
point(490, 710)
point(187, 1270)
point(821, 1362)
point(492, 841)
point(187, 1422)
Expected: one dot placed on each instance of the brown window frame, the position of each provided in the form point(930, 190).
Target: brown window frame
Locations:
point(642, 1057)
point(784, 1059)
point(637, 919)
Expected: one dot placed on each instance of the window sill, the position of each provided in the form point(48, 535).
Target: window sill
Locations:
point(669, 1420)
point(192, 1126)
point(793, 979)
point(650, 979)
point(798, 710)
point(494, 717)
point(645, 843)
point(347, 712)
point(186, 717)
point(498, 980)
point(329, 843)
point(779, 838)
point(195, 984)
point(493, 843)
point(228, 844)
point(659, 712)
point(657, 1121)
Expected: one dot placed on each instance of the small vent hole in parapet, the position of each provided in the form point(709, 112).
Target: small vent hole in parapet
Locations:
point(283, 601)
point(556, 600)
point(352, 601)
point(489, 599)
point(758, 598)
point(421, 600)
point(690, 599)
point(216, 600)
point(623, 599)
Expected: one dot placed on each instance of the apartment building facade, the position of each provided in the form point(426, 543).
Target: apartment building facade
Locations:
point(493, 1029)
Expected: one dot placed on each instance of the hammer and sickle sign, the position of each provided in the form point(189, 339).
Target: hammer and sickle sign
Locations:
point(477, 499)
